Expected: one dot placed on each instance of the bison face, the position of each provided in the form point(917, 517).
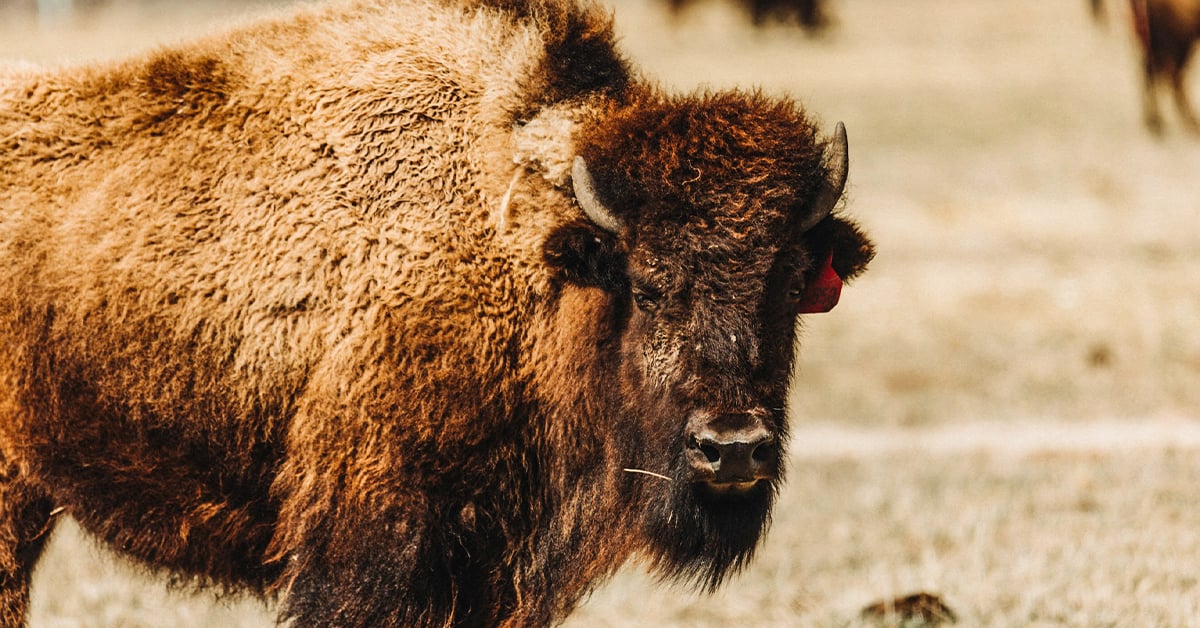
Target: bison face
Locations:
point(708, 273)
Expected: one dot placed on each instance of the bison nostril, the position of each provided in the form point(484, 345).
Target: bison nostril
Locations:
point(729, 449)
point(711, 453)
point(764, 453)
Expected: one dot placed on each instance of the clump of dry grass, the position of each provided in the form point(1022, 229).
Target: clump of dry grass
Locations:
point(920, 609)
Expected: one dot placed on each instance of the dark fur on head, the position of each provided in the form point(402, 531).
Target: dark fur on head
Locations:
point(711, 190)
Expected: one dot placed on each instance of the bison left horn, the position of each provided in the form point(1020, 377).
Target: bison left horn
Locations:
point(835, 160)
point(585, 194)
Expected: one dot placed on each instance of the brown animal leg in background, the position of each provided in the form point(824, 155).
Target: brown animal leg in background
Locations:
point(676, 7)
point(1182, 102)
point(759, 9)
point(1184, 105)
point(1151, 114)
point(25, 524)
point(812, 15)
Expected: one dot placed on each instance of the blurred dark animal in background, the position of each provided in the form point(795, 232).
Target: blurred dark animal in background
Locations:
point(811, 15)
point(57, 13)
point(410, 313)
point(50, 12)
point(1166, 31)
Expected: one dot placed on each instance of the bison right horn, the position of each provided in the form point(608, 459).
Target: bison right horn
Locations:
point(585, 194)
point(835, 159)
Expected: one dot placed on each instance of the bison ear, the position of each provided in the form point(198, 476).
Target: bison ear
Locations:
point(852, 249)
point(586, 255)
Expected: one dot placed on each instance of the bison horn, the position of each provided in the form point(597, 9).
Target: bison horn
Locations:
point(835, 159)
point(585, 194)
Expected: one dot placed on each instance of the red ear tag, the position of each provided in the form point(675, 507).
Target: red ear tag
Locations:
point(823, 293)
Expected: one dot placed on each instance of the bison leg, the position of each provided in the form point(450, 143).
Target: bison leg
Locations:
point(390, 560)
point(759, 11)
point(812, 15)
point(378, 572)
point(25, 523)
point(1183, 103)
point(1151, 114)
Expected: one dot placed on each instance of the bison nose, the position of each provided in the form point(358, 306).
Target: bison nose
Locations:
point(732, 451)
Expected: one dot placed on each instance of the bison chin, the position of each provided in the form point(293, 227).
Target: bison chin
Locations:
point(700, 536)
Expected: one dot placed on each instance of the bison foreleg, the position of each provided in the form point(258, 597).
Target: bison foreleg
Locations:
point(25, 523)
point(1151, 114)
point(1183, 103)
point(373, 573)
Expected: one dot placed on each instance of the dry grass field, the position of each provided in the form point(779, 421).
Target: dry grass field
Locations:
point(1004, 411)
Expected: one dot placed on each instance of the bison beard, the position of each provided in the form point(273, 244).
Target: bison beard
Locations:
point(702, 536)
point(392, 309)
point(695, 533)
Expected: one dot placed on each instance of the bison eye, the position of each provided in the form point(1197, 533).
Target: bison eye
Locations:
point(646, 300)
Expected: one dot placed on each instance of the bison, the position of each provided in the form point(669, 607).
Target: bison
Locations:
point(811, 15)
point(1167, 31)
point(404, 312)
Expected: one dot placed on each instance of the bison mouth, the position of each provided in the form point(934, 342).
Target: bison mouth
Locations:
point(732, 472)
point(731, 488)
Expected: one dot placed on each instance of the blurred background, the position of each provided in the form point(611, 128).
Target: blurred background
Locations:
point(1004, 411)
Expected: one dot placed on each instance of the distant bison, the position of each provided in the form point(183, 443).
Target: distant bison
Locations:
point(414, 312)
point(810, 15)
point(1167, 31)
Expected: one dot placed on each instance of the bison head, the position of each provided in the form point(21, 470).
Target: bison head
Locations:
point(711, 226)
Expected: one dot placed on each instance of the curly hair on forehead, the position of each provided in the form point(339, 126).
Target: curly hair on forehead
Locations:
point(694, 148)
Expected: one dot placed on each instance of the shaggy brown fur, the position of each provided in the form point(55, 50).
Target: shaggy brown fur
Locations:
point(1167, 31)
point(309, 309)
